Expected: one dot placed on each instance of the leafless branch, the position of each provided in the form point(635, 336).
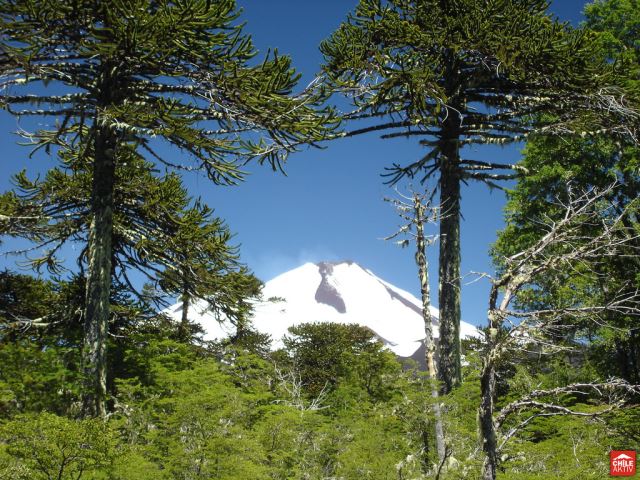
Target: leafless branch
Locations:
point(291, 383)
point(617, 391)
point(591, 228)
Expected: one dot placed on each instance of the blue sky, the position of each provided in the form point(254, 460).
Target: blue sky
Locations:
point(330, 205)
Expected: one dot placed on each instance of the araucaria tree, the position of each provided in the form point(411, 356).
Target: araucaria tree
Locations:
point(158, 231)
point(205, 266)
point(120, 78)
point(460, 73)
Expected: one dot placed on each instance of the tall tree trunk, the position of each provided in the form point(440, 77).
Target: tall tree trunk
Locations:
point(488, 436)
point(183, 330)
point(449, 369)
point(430, 349)
point(487, 427)
point(97, 309)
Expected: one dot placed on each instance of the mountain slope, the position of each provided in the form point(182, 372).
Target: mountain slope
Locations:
point(342, 292)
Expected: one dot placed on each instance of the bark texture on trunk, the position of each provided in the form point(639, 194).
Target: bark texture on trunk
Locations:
point(97, 308)
point(487, 427)
point(449, 370)
point(488, 434)
point(183, 330)
point(430, 348)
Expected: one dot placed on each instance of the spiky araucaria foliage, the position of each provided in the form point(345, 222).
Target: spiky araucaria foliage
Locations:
point(206, 266)
point(172, 239)
point(465, 73)
point(178, 71)
point(128, 75)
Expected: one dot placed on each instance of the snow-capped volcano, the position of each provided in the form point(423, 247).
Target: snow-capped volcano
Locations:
point(341, 292)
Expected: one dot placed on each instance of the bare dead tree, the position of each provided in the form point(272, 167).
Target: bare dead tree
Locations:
point(291, 384)
point(416, 210)
point(563, 247)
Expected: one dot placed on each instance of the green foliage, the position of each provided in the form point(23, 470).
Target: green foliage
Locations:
point(377, 444)
point(37, 369)
point(173, 71)
point(23, 297)
point(39, 342)
point(329, 354)
point(565, 446)
point(158, 230)
point(334, 403)
point(597, 347)
point(587, 163)
point(493, 67)
point(188, 413)
point(46, 446)
point(618, 25)
point(34, 378)
point(583, 164)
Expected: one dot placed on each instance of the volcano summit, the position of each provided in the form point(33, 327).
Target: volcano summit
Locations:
point(340, 292)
